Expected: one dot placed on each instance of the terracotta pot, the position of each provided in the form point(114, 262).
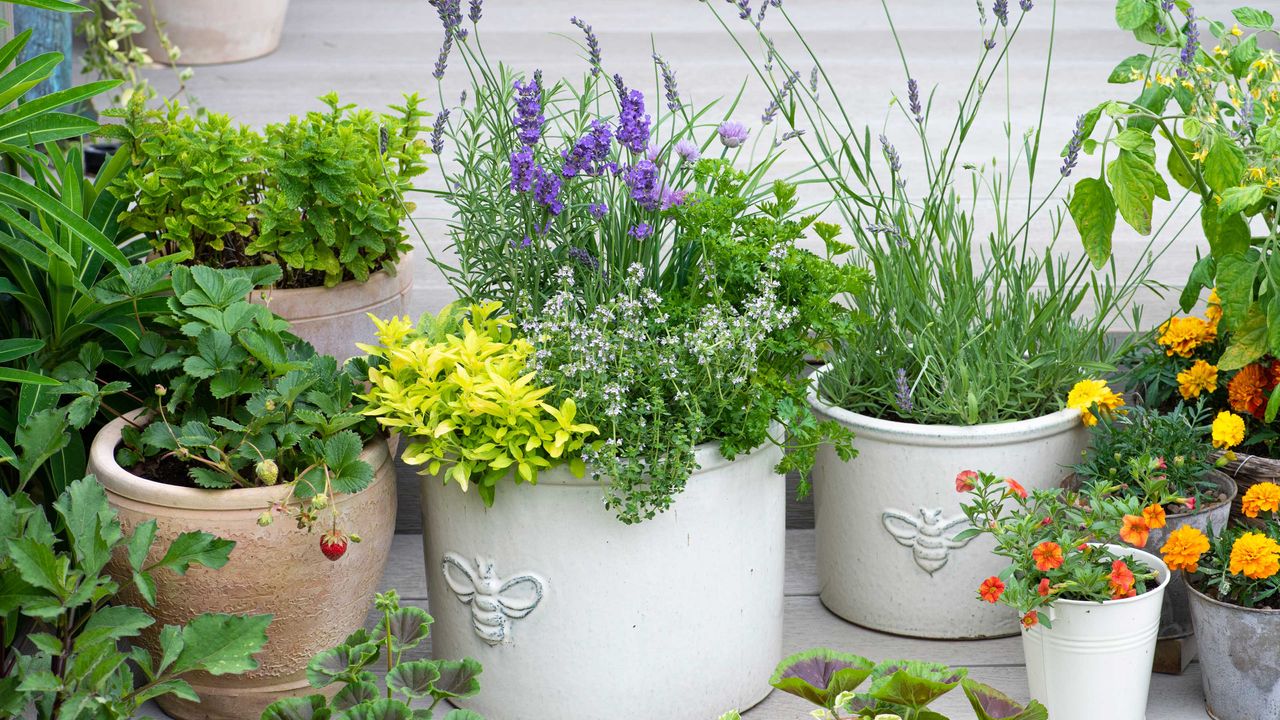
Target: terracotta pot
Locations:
point(1239, 665)
point(209, 32)
point(335, 319)
point(886, 521)
point(278, 569)
point(577, 616)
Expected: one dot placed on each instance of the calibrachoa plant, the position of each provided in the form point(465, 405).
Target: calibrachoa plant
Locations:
point(1241, 565)
point(1054, 541)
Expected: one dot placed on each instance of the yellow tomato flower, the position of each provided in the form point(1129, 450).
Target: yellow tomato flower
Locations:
point(1228, 430)
point(1257, 173)
point(1255, 556)
point(1182, 335)
point(1200, 154)
point(1201, 377)
point(1184, 547)
point(1088, 394)
point(1213, 309)
point(1235, 30)
point(1262, 497)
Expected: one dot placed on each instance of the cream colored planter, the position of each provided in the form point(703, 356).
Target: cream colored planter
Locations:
point(213, 31)
point(335, 319)
point(885, 521)
point(576, 616)
point(279, 569)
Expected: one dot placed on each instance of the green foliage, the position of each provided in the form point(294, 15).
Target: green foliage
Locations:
point(898, 688)
point(241, 402)
point(319, 195)
point(110, 30)
point(60, 658)
point(409, 682)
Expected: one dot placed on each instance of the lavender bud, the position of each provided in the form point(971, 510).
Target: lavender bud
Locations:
point(668, 83)
point(1193, 38)
point(442, 59)
point(474, 14)
point(593, 44)
point(1001, 10)
point(1073, 148)
point(913, 96)
point(788, 136)
point(903, 393)
point(744, 8)
point(437, 131)
point(1025, 5)
point(891, 155)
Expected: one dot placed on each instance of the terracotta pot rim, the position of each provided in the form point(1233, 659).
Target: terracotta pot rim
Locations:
point(984, 434)
point(1150, 559)
point(1266, 612)
point(135, 487)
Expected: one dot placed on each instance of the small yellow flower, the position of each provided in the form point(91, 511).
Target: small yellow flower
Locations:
point(1235, 30)
point(1255, 556)
point(1200, 154)
point(1181, 335)
point(1088, 394)
point(1228, 430)
point(1201, 377)
point(1262, 497)
point(1257, 173)
point(1220, 51)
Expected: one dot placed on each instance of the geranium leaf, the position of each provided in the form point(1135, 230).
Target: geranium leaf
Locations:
point(820, 675)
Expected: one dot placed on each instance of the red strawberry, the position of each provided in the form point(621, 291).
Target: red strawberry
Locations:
point(333, 544)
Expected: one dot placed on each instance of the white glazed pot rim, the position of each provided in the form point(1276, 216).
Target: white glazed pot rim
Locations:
point(985, 434)
point(1151, 560)
point(1265, 612)
point(124, 483)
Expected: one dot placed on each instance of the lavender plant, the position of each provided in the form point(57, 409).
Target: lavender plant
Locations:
point(967, 322)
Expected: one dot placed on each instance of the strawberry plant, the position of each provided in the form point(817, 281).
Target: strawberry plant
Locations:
point(423, 683)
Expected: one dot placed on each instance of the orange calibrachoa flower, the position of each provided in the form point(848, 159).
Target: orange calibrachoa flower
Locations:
point(1255, 556)
point(1262, 497)
point(1247, 390)
point(1182, 335)
point(991, 589)
point(1015, 488)
point(1043, 587)
point(1201, 377)
point(1135, 530)
point(1048, 556)
point(1088, 394)
point(1184, 547)
point(1030, 620)
point(1154, 515)
point(964, 481)
point(1228, 430)
point(1121, 581)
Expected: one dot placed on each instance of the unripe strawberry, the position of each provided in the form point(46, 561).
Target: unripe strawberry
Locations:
point(320, 501)
point(333, 544)
point(267, 471)
point(265, 519)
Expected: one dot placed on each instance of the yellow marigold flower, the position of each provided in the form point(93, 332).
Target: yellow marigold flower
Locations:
point(1255, 556)
point(1262, 497)
point(1181, 335)
point(1090, 393)
point(1201, 377)
point(1228, 430)
point(1183, 549)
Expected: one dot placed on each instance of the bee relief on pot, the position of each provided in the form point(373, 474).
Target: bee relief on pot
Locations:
point(495, 601)
point(930, 536)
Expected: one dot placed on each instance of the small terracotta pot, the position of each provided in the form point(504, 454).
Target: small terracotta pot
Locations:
point(278, 569)
point(208, 32)
point(335, 319)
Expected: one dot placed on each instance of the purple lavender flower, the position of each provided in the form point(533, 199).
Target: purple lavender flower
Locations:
point(633, 124)
point(1026, 5)
point(903, 393)
point(989, 43)
point(913, 97)
point(670, 197)
point(732, 133)
point(771, 111)
point(442, 60)
point(437, 131)
point(1160, 27)
point(760, 15)
point(474, 14)
point(589, 153)
point(593, 43)
point(1073, 148)
point(744, 8)
point(522, 170)
point(688, 151)
point(1193, 38)
point(813, 79)
point(546, 190)
point(1166, 5)
point(790, 135)
point(642, 179)
point(668, 83)
point(583, 257)
point(598, 210)
point(640, 231)
point(1001, 10)
point(529, 119)
point(450, 13)
point(522, 245)
point(891, 155)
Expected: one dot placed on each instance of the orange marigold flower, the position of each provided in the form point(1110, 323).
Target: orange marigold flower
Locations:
point(1262, 497)
point(1201, 377)
point(1181, 335)
point(965, 481)
point(1121, 581)
point(1135, 530)
point(991, 589)
point(1154, 515)
point(1247, 390)
point(1030, 620)
point(1184, 547)
point(1255, 556)
point(1015, 488)
point(1043, 588)
point(1047, 556)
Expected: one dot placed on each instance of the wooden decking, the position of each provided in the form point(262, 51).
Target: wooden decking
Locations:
point(809, 624)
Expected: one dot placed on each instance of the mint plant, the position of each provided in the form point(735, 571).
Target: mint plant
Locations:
point(61, 658)
point(408, 682)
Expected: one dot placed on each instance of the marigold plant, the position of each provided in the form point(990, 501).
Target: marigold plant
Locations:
point(459, 389)
point(1240, 566)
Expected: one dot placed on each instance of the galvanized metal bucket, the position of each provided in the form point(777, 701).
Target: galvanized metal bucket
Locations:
point(1239, 658)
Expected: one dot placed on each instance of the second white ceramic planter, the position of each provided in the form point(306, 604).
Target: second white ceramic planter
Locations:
point(886, 520)
point(576, 616)
point(1095, 662)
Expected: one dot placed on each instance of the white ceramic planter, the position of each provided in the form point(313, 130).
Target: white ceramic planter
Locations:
point(278, 569)
point(885, 519)
point(213, 31)
point(576, 616)
point(334, 319)
point(1095, 661)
